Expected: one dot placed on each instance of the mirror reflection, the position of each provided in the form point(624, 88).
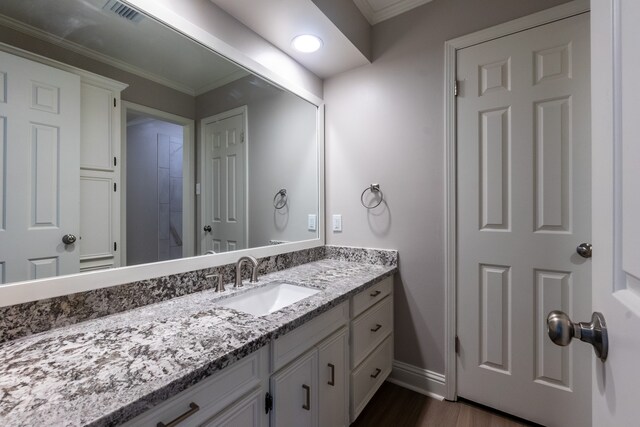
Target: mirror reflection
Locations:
point(123, 142)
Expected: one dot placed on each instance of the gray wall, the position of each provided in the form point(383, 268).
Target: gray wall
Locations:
point(282, 154)
point(384, 123)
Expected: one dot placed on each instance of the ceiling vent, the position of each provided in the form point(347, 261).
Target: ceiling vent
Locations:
point(123, 11)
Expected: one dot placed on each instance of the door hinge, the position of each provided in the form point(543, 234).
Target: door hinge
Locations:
point(457, 345)
point(114, 102)
point(241, 136)
point(115, 161)
point(455, 88)
point(115, 187)
point(268, 403)
point(115, 246)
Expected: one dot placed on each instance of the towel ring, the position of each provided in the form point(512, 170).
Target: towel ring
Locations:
point(282, 202)
point(374, 188)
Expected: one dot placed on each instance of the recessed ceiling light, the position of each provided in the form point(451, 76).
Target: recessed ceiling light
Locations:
point(306, 43)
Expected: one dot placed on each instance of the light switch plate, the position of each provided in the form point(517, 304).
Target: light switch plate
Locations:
point(337, 223)
point(311, 222)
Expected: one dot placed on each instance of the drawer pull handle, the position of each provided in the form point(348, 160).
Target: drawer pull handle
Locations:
point(194, 408)
point(307, 405)
point(378, 370)
point(332, 381)
point(377, 328)
point(375, 294)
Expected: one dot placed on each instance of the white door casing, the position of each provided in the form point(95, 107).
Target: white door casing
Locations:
point(523, 207)
point(40, 143)
point(224, 186)
point(616, 208)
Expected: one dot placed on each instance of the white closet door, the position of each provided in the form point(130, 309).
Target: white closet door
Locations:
point(523, 208)
point(225, 184)
point(39, 167)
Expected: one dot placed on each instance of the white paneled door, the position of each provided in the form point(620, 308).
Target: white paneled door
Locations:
point(524, 198)
point(40, 157)
point(224, 189)
point(616, 207)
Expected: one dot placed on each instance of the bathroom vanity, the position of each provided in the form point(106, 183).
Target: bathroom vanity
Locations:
point(315, 362)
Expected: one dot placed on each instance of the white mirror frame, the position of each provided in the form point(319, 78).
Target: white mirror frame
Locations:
point(33, 290)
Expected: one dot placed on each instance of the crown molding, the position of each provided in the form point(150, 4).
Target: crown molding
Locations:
point(394, 8)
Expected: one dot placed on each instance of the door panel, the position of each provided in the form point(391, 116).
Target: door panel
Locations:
point(616, 208)
point(40, 139)
point(295, 389)
point(225, 184)
point(523, 207)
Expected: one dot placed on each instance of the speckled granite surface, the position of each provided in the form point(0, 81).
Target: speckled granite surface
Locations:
point(108, 370)
point(38, 316)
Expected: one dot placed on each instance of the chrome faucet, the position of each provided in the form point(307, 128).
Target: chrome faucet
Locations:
point(254, 270)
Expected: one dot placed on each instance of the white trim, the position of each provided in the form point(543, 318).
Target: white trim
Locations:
point(203, 165)
point(420, 380)
point(34, 290)
point(394, 9)
point(222, 81)
point(563, 11)
point(86, 76)
point(97, 56)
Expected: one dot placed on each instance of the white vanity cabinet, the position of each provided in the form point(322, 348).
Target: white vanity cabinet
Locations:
point(232, 397)
point(310, 383)
point(322, 373)
point(371, 330)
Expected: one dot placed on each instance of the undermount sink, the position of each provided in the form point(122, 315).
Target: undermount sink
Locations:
point(267, 299)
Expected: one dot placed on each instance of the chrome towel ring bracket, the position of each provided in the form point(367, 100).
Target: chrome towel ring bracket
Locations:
point(374, 189)
point(280, 199)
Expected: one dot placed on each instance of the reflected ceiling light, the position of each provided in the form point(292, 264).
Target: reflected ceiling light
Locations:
point(306, 43)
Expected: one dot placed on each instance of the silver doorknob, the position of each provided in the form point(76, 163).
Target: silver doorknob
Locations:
point(68, 239)
point(562, 330)
point(584, 250)
point(207, 228)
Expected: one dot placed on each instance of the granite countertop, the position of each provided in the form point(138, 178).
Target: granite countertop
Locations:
point(109, 370)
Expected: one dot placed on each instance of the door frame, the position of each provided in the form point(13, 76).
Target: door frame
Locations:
point(203, 164)
point(451, 47)
point(188, 175)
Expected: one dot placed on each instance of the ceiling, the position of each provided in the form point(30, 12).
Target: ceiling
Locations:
point(380, 10)
point(279, 21)
point(145, 48)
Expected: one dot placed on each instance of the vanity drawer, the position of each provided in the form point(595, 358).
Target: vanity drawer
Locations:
point(369, 329)
point(293, 344)
point(210, 395)
point(368, 297)
point(370, 375)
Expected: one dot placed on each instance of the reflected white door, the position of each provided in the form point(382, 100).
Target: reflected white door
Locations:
point(523, 207)
point(40, 157)
point(616, 208)
point(224, 186)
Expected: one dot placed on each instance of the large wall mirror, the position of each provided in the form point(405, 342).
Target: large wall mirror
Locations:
point(123, 142)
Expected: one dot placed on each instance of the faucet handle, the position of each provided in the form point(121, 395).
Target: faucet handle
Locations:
point(219, 283)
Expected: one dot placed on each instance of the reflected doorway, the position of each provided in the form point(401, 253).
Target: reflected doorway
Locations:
point(158, 213)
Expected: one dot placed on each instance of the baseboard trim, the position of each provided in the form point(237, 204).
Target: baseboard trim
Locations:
point(420, 380)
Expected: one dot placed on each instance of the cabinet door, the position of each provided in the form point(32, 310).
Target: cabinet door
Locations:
point(248, 412)
point(332, 381)
point(295, 393)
